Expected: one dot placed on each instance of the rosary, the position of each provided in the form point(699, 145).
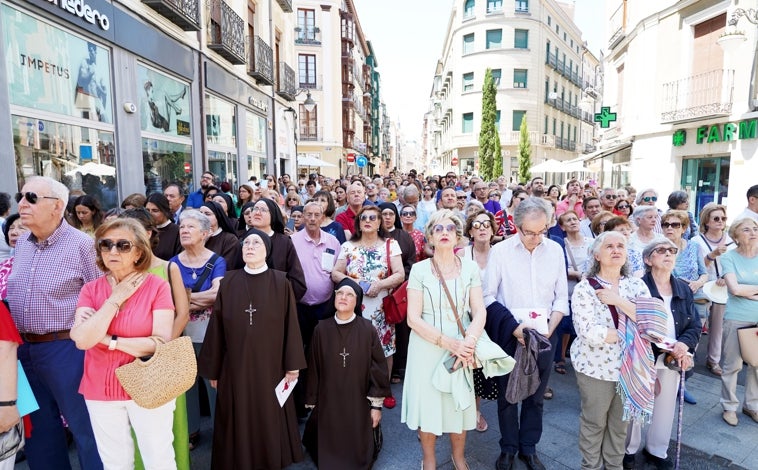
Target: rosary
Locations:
point(250, 310)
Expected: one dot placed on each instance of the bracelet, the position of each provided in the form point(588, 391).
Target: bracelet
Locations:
point(708, 256)
point(379, 408)
point(113, 343)
point(8, 403)
point(438, 342)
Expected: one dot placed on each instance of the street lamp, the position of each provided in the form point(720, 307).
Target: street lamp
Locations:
point(309, 104)
point(731, 39)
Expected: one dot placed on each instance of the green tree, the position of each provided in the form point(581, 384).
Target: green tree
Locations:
point(490, 153)
point(524, 152)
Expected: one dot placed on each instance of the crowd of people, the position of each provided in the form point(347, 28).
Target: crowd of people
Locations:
point(283, 283)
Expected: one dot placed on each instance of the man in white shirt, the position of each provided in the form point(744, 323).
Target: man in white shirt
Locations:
point(752, 204)
point(526, 271)
point(592, 207)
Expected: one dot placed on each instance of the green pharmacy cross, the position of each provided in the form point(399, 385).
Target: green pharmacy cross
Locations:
point(605, 117)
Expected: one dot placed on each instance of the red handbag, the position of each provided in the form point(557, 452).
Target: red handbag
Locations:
point(396, 302)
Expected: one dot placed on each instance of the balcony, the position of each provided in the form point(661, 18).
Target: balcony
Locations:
point(522, 6)
point(708, 94)
point(286, 86)
point(311, 81)
point(183, 13)
point(589, 148)
point(572, 110)
point(565, 144)
point(347, 27)
point(617, 25)
point(564, 69)
point(309, 36)
point(309, 133)
point(261, 63)
point(227, 32)
point(286, 5)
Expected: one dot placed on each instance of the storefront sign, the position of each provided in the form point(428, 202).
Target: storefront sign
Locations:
point(71, 78)
point(164, 103)
point(83, 10)
point(727, 132)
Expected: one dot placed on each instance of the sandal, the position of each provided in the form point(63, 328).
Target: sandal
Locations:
point(395, 379)
point(560, 367)
point(194, 440)
point(481, 423)
point(548, 394)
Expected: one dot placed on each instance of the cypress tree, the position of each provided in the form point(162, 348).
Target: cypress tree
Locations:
point(524, 152)
point(490, 153)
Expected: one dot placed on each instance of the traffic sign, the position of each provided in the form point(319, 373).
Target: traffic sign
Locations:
point(361, 161)
point(454, 161)
point(350, 157)
point(187, 167)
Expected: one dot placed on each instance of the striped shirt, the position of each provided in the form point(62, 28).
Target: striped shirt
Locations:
point(46, 279)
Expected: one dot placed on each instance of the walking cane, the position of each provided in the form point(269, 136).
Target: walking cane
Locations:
point(679, 425)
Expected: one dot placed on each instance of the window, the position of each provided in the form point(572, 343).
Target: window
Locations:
point(519, 78)
point(468, 81)
point(518, 116)
point(468, 123)
point(308, 123)
point(572, 43)
point(494, 38)
point(496, 76)
point(497, 120)
point(468, 43)
point(549, 20)
point(522, 6)
point(545, 131)
point(564, 36)
point(306, 22)
point(521, 39)
point(307, 68)
point(468, 9)
point(494, 5)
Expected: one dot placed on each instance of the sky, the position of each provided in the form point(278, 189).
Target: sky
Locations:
point(408, 35)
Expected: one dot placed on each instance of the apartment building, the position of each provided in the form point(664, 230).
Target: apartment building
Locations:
point(113, 98)
point(339, 69)
point(681, 77)
point(543, 73)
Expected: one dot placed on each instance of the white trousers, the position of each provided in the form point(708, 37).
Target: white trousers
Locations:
point(731, 359)
point(112, 422)
point(664, 409)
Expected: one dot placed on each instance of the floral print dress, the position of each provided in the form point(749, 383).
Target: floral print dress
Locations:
point(369, 265)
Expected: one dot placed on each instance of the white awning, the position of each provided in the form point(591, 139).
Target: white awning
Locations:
point(606, 151)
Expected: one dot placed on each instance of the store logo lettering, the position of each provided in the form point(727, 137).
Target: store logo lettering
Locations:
point(84, 11)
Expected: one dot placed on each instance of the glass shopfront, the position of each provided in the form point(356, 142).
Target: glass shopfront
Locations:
point(255, 141)
point(705, 180)
point(221, 135)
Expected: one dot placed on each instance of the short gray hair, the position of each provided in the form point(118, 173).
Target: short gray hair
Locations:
point(648, 250)
point(194, 214)
point(440, 215)
point(56, 188)
point(473, 202)
point(410, 189)
point(593, 264)
point(640, 195)
point(641, 211)
point(532, 205)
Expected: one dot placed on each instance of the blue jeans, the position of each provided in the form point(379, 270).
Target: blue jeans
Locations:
point(522, 435)
point(55, 371)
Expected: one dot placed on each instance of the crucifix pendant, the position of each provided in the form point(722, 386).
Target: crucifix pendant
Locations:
point(250, 310)
point(344, 355)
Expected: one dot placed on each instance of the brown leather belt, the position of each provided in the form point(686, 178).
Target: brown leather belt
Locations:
point(47, 337)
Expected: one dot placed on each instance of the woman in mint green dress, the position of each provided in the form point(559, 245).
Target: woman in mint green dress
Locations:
point(429, 404)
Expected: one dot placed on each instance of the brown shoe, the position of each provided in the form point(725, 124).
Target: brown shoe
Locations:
point(714, 368)
point(731, 417)
point(752, 413)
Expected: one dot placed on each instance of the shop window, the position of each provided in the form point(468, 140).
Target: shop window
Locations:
point(220, 121)
point(164, 103)
point(166, 162)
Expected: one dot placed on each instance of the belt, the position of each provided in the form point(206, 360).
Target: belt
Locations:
point(701, 301)
point(45, 338)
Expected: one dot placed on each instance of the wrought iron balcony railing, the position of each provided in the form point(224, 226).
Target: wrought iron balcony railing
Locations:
point(286, 5)
point(183, 13)
point(308, 35)
point(227, 32)
point(705, 94)
point(261, 63)
point(311, 133)
point(286, 86)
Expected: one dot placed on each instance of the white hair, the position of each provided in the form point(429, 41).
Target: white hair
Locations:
point(56, 188)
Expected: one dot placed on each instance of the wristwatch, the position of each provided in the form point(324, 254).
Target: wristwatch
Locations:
point(8, 403)
point(112, 344)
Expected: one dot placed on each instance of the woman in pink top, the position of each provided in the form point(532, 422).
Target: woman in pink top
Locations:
point(115, 318)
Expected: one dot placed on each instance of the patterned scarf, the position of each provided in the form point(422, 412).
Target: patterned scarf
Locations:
point(637, 381)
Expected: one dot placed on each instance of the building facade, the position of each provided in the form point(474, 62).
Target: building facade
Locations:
point(543, 74)
point(339, 69)
point(681, 77)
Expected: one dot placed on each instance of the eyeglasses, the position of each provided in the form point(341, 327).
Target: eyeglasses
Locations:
point(662, 250)
point(622, 206)
point(494, 196)
point(345, 293)
point(439, 228)
point(610, 196)
point(371, 217)
point(671, 224)
point(477, 224)
point(480, 189)
point(408, 214)
point(527, 233)
point(461, 197)
point(123, 246)
point(260, 210)
point(650, 198)
point(31, 197)
point(718, 219)
point(427, 189)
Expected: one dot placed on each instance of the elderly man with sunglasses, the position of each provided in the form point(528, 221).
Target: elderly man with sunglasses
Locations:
point(51, 265)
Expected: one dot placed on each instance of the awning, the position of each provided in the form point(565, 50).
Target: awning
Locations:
point(606, 151)
point(310, 161)
point(556, 166)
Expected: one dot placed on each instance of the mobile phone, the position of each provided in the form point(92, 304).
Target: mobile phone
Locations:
point(364, 285)
point(449, 363)
point(291, 225)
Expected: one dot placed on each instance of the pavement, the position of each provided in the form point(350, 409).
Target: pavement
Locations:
point(707, 441)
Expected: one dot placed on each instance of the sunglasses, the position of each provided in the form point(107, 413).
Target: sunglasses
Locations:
point(663, 250)
point(718, 219)
point(371, 217)
point(622, 206)
point(650, 198)
point(123, 246)
point(671, 224)
point(480, 224)
point(494, 196)
point(31, 197)
point(439, 228)
point(461, 197)
point(408, 214)
point(427, 189)
point(610, 196)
